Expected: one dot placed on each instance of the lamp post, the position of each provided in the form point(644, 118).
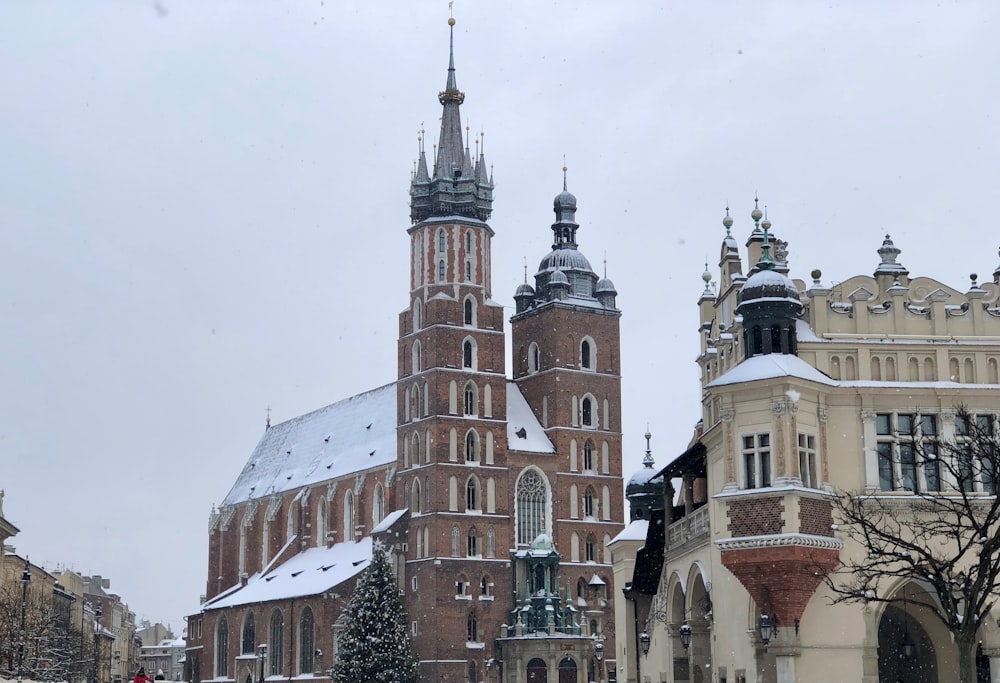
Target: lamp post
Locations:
point(25, 581)
point(644, 642)
point(261, 657)
point(97, 644)
point(599, 655)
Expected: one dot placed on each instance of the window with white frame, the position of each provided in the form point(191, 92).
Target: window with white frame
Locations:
point(534, 358)
point(441, 240)
point(472, 543)
point(976, 472)
point(756, 461)
point(588, 455)
point(587, 411)
point(807, 461)
point(472, 495)
point(587, 354)
point(907, 452)
point(471, 398)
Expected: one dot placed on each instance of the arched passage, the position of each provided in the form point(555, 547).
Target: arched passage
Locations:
point(567, 670)
point(905, 651)
point(537, 671)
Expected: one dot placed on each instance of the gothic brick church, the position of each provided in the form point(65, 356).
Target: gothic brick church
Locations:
point(496, 497)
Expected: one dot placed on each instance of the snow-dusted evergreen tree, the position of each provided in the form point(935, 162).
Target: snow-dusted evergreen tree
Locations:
point(375, 645)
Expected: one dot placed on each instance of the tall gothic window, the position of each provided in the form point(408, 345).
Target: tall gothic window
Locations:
point(248, 641)
point(441, 244)
point(588, 455)
point(587, 412)
point(306, 642)
point(222, 648)
point(378, 509)
point(588, 502)
point(468, 318)
point(276, 644)
point(585, 355)
point(467, 354)
point(470, 399)
point(531, 501)
point(348, 517)
point(472, 494)
point(441, 270)
point(471, 446)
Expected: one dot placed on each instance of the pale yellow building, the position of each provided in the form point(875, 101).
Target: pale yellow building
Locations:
point(807, 389)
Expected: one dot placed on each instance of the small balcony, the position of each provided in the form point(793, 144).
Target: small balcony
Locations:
point(689, 531)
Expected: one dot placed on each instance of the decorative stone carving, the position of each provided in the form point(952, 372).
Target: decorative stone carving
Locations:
point(727, 414)
point(824, 413)
point(867, 415)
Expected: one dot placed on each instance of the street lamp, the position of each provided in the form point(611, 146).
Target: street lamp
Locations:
point(767, 628)
point(97, 645)
point(25, 581)
point(262, 657)
point(685, 636)
point(644, 642)
point(599, 650)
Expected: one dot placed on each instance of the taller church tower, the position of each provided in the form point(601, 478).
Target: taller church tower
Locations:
point(513, 488)
point(452, 409)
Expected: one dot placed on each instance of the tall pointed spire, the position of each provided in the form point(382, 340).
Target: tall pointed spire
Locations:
point(456, 186)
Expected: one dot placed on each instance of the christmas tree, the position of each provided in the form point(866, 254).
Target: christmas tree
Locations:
point(375, 645)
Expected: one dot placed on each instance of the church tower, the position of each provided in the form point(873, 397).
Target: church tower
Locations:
point(452, 408)
point(566, 356)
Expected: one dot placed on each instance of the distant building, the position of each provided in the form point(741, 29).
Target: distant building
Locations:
point(7, 530)
point(120, 654)
point(807, 389)
point(165, 660)
point(497, 497)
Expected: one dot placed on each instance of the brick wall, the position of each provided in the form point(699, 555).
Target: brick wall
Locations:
point(815, 517)
point(755, 517)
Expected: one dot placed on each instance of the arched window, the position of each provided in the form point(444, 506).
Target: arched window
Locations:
point(472, 628)
point(468, 241)
point(378, 506)
point(491, 542)
point(222, 648)
point(471, 446)
point(471, 399)
point(473, 673)
point(306, 642)
point(417, 321)
point(415, 497)
point(469, 311)
point(587, 411)
point(441, 241)
point(534, 358)
point(486, 586)
point(588, 455)
point(468, 271)
point(320, 523)
point(276, 643)
point(587, 354)
point(588, 502)
point(248, 643)
point(441, 270)
point(456, 540)
point(415, 449)
point(417, 366)
point(472, 543)
point(469, 354)
point(472, 496)
point(531, 505)
point(348, 517)
point(589, 552)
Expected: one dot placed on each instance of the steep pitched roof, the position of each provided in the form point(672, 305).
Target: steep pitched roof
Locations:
point(349, 436)
point(310, 572)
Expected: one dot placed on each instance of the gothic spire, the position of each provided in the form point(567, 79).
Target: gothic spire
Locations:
point(456, 186)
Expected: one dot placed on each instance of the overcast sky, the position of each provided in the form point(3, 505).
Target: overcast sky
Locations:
point(203, 211)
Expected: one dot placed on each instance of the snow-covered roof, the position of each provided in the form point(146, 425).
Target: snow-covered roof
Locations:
point(348, 436)
point(520, 420)
point(635, 531)
point(770, 366)
point(310, 572)
point(388, 521)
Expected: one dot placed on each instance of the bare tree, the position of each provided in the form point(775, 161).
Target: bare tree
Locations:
point(55, 649)
point(945, 537)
